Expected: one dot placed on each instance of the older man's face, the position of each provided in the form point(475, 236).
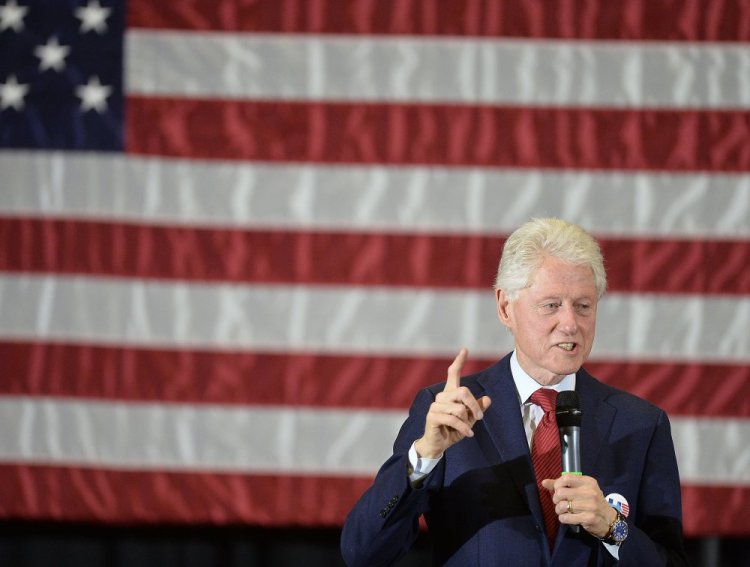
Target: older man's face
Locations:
point(553, 321)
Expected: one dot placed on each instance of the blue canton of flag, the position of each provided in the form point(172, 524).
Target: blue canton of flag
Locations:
point(61, 74)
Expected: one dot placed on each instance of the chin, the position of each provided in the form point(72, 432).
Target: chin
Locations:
point(568, 367)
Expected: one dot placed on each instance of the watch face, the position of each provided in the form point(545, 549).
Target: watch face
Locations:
point(620, 531)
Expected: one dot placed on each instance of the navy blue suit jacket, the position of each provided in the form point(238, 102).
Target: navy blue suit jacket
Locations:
point(481, 502)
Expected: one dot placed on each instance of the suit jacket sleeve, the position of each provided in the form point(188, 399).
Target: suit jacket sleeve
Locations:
point(384, 523)
point(655, 538)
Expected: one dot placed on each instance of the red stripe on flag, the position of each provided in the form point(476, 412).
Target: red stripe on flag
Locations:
point(684, 389)
point(446, 135)
point(373, 382)
point(715, 510)
point(407, 260)
point(692, 20)
point(82, 494)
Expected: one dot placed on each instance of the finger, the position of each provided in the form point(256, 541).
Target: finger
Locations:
point(570, 506)
point(549, 484)
point(456, 409)
point(570, 481)
point(452, 422)
point(570, 512)
point(454, 370)
point(464, 396)
point(561, 492)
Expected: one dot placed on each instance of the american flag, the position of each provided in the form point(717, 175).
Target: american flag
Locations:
point(619, 503)
point(237, 237)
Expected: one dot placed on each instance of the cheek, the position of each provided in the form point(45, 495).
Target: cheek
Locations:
point(537, 333)
point(589, 325)
point(588, 337)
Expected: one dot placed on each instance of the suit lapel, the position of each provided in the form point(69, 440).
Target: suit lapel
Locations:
point(505, 429)
point(596, 420)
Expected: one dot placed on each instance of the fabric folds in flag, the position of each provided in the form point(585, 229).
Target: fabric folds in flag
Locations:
point(237, 238)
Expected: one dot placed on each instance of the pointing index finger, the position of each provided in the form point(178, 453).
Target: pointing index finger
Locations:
point(453, 381)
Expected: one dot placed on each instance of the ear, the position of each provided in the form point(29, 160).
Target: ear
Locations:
point(504, 309)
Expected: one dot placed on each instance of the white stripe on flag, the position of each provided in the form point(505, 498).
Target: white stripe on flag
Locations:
point(453, 70)
point(712, 451)
point(183, 437)
point(279, 440)
point(350, 319)
point(369, 199)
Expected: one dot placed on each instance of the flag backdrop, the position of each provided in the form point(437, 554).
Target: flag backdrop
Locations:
point(237, 237)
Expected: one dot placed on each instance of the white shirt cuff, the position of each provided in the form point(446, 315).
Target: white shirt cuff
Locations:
point(614, 550)
point(420, 466)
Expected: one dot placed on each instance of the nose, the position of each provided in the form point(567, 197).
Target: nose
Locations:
point(568, 321)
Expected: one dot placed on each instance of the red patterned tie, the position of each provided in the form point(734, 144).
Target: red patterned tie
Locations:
point(545, 454)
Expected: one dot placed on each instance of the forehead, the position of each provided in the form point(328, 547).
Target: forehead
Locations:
point(555, 276)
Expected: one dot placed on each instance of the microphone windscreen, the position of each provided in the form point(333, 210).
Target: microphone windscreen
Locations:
point(568, 409)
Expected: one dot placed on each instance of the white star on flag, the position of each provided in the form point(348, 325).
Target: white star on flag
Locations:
point(11, 16)
point(12, 93)
point(93, 17)
point(93, 95)
point(52, 55)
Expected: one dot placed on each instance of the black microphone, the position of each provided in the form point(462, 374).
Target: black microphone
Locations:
point(568, 415)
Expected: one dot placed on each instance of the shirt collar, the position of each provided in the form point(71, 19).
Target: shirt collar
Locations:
point(526, 385)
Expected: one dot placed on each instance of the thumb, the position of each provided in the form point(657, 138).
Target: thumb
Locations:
point(484, 402)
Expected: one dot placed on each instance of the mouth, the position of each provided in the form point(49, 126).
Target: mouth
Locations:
point(569, 347)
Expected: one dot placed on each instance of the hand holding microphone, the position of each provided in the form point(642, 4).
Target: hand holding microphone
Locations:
point(568, 415)
point(592, 508)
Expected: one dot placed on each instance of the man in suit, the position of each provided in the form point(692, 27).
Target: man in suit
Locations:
point(466, 456)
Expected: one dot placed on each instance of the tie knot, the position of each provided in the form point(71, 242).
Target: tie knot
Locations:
point(544, 397)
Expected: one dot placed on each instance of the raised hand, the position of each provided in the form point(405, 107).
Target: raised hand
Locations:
point(452, 415)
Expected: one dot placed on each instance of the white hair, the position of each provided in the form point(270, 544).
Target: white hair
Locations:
point(539, 238)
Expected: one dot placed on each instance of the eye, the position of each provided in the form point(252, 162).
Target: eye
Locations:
point(550, 307)
point(583, 308)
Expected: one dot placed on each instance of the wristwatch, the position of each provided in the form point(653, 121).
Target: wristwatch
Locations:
point(618, 530)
